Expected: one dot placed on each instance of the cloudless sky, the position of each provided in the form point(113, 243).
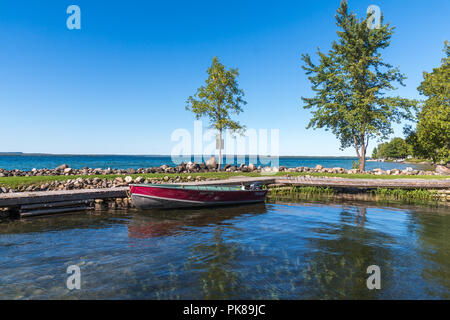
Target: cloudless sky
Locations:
point(119, 85)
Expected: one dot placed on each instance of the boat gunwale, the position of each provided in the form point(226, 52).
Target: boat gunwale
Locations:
point(195, 187)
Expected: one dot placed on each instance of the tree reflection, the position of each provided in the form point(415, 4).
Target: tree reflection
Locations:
point(433, 232)
point(338, 260)
point(215, 263)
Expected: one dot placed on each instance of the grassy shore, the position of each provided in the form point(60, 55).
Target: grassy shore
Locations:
point(416, 196)
point(14, 182)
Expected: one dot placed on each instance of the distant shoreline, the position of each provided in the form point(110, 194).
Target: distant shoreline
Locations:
point(411, 161)
point(161, 155)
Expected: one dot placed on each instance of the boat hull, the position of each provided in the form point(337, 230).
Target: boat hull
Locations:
point(150, 197)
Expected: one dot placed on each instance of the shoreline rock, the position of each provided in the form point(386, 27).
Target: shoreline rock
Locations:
point(185, 168)
point(209, 166)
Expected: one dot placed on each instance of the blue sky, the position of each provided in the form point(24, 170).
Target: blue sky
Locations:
point(119, 84)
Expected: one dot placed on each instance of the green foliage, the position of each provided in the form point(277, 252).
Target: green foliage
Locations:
point(350, 83)
point(433, 127)
point(397, 148)
point(219, 99)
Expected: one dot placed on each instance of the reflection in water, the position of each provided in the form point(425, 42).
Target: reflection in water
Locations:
point(434, 237)
point(272, 251)
point(157, 223)
point(342, 255)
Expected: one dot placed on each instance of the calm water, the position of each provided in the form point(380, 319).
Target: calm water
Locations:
point(28, 162)
point(273, 251)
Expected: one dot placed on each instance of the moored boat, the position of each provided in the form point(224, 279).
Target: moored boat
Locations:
point(148, 196)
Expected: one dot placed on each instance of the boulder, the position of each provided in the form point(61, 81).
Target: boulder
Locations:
point(67, 170)
point(378, 171)
point(139, 179)
point(211, 163)
point(251, 167)
point(190, 165)
point(442, 169)
point(128, 179)
point(319, 167)
point(61, 167)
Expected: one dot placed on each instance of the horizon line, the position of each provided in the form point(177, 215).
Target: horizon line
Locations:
point(160, 155)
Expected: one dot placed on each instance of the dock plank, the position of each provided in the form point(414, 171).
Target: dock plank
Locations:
point(25, 198)
point(336, 182)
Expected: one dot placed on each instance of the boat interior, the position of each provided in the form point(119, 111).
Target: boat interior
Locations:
point(192, 187)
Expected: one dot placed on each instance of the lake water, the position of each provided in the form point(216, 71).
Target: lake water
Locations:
point(28, 162)
point(271, 251)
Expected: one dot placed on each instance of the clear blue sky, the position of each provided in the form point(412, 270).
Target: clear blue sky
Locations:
point(120, 83)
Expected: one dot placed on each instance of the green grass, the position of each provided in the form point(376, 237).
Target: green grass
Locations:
point(295, 191)
point(15, 182)
point(406, 195)
point(380, 194)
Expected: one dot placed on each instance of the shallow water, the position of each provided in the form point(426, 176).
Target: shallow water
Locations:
point(272, 251)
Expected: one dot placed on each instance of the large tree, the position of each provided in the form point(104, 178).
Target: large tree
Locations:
point(218, 99)
point(433, 127)
point(350, 83)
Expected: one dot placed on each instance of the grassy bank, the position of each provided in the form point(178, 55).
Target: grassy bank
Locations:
point(406, 195)
point(295, 191)
point(14, 182)
point(416, 196)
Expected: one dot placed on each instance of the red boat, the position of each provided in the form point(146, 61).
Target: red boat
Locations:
point(148, 196)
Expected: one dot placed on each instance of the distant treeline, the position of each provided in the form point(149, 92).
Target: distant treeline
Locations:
point(397, 148)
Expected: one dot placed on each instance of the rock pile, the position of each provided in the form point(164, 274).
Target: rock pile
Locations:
point(97, 183)
point(210, 166)
point(88, 182)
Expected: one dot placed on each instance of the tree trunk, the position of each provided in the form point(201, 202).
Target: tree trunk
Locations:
point(220, 150)
point(362, 159)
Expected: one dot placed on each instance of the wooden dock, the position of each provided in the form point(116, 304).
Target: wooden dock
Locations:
point(28, 198)
point(47, 202)
point(348, 183)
